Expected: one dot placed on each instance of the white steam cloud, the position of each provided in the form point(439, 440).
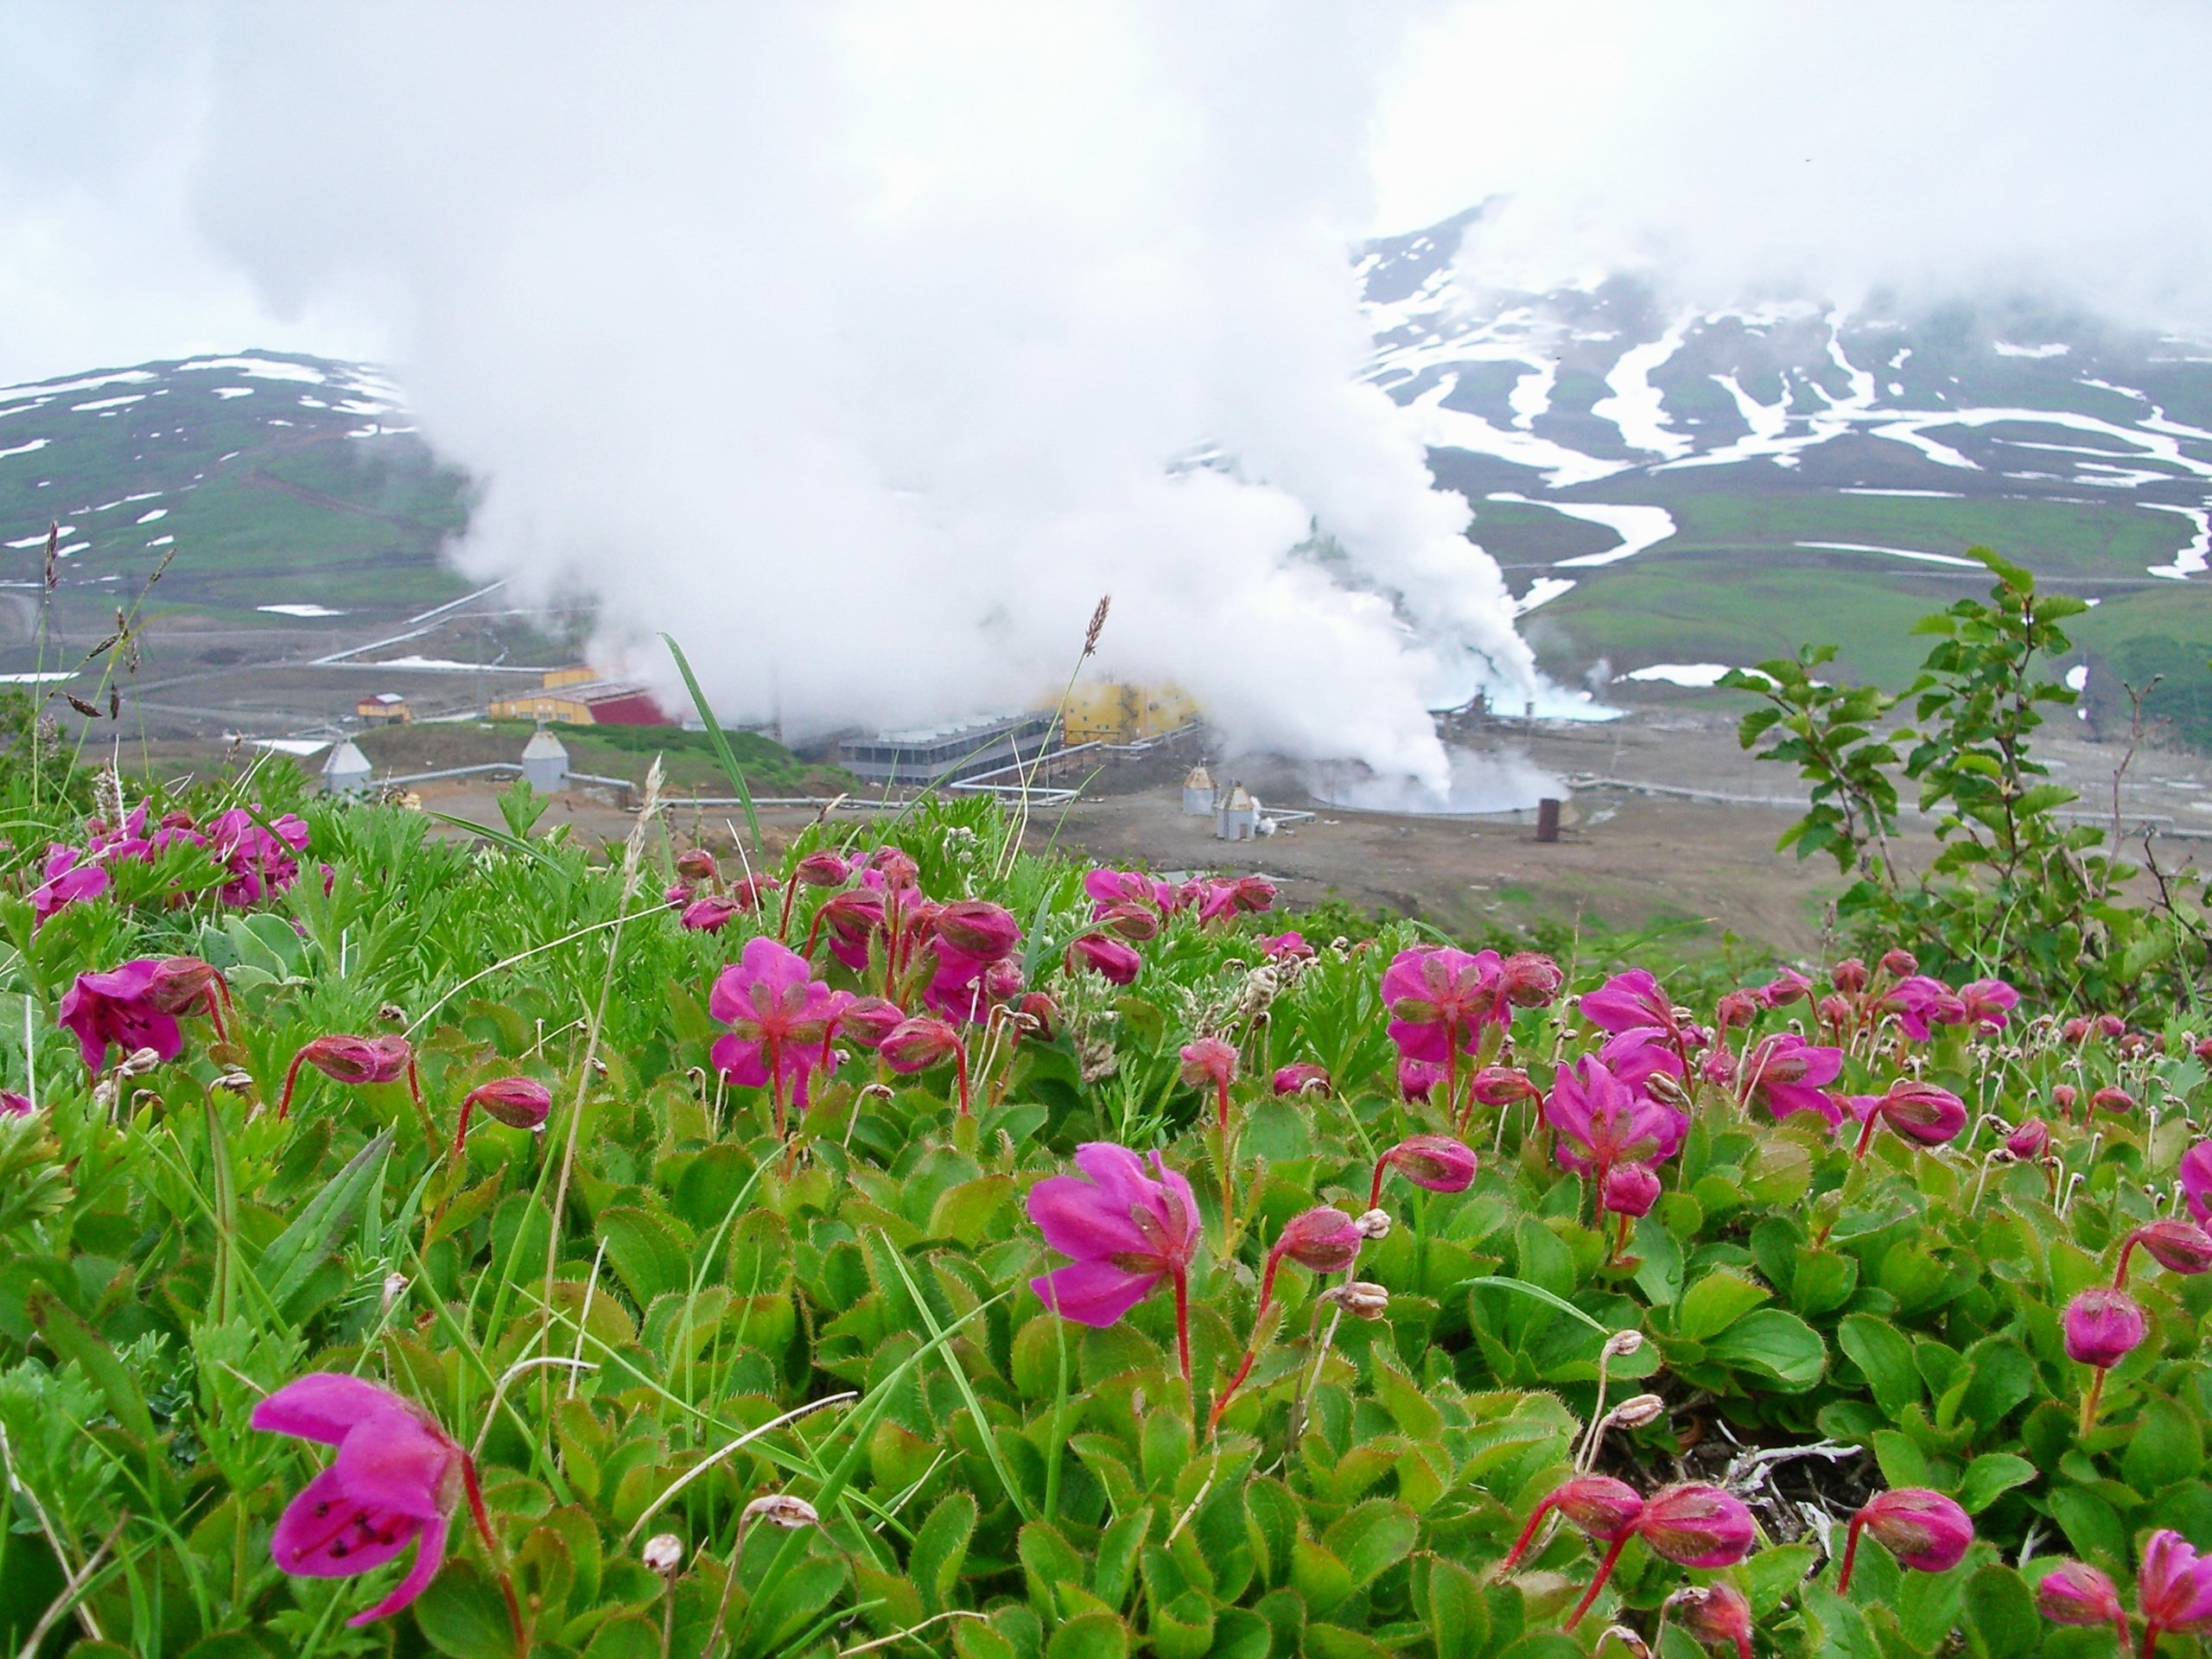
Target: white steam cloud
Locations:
point(852, 344)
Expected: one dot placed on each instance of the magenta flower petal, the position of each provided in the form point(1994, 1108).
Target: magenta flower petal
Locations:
point(393, 1461)
point(430, 1556)
point(327, 1533)
point(321, 1406)
point(1081, 1220)
point(1093, 1293)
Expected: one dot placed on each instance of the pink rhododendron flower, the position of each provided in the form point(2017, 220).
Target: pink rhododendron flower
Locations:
point(710, 914)
point(15, 1105)
point(1210, 1063)
point(1629, 999)
point(1417, 1079)
point(1107, 888)
point(518, 1103)
point(1914, 1001)
point(1635, 1055)
point(1785, 988)
point(1436, 1162)
point(2173, 1588)
point(261, 861)
point(2074, 1593)
point(354, 1060)
point(1696, 1525)
point(1899, 964)
point(1124, 1231)
point(1301, 1078)
point(1628, 1189)
point(1104, 956)
point(1131, 921)
point(1788, 1074)
point(2196, 1174)
point(780, 1019)
point(1287, 947)
point(1716, 1614)
point(1530, 979)
point(1989, 1004)
point(117, 1007)
point(2112, 1099)
point(1919, 1112)
point(2177, 1245)
point(1849, 976)
point(822, 869)
point(1598, 1506)
point(1439, 999)
point(1501, 1085)
point(67, 882)
point(1736, 1008)
point(1600, 1122)
point(1926, 1531)
point(851, 918)
point(922, 1042)
point(2029, 1141)
point(1245, 893)
point(397, 1480)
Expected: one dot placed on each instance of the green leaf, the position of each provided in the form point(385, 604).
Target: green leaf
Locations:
point(1989, 1477)
point(2167, 1445)
point(940, 1548)
point(1770, 1342)
point(645, 1251)
point(319, 1233)
point(1373, 1536)
point(462, 1615)
point(1458, 1616)
point(723, 751)
point(1089, 1636)
point(1659, 1261)
point(1886, 1358)
point(73, 1339)
point(1716, 1302)
point(2000, 1616)
point(1774, 1572)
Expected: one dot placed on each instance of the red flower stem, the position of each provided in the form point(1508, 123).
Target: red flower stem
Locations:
point(2119, 1277)
point(2090, 1402)
point(1221, 1104)
point(1850, 1553)
point(2149, 1638)
point(1620, 1239)
point(1528, 1533)
point(1183, 1323)
point(1252, 1346)
point(492, 1548)
point(1374, 1192)
point(2126, 1636)
point(1866, 1134)
point(284, 1101)
point(1452, 1078)
point(1605, 1571)
point(960, 1070)
point(813, 934)
point(461, 1134)
point(776, 1082)
point(784, 922)
point(215, 1012)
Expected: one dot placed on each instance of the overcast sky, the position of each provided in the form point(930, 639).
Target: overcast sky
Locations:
point(1724, 145)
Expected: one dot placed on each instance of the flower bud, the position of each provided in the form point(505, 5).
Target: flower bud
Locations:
point(1848, 977)
point(1716, 1614)
point(1130, 920)
point(663, 1553)
point(1923, 1112)
point(1105, 955)
point(2110, 1099)
point(1436, 1162)
point(747, 893)
point(1696, 1525)
point(1530, 979)
point(780, 1509)
point(1504, 1085)
point(1736, 1008)
point(1623, 1342)
point(359, 1060)
point(1832, 1011)
point(822, 869)
point(696, 864)
point(898, 872)
point(2062, 1096)
point(708, 915)
point(2074, 1593)
point(180, 983)
point(869, 1019)
point(1925, 1530)
point(1209, 1063)
point(1360, 1299)
point(978, 929)
point(1038, 1013)
point(518, 1103)
point(1302, 1078)
point(2030, 1141)
point(1900, 964)
point(15, 1105)
point(2202, 1049)
point(1374, 1224)
point(1322, 1240)
point(2103, 1327)
point(2111, 1024)
point(918, 1044)
point(676, 895)
point(2177, 1245)
point(2077, 1030)
point(1003, 981)
point(1628, 1189)
point(1597, 1505)
point(1636, 1410)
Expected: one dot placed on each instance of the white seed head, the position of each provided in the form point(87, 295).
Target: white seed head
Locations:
point(1636, 1410)
point(782, 1509)
point(395, 1287)
point(1374, 1224)
point(664, 1553)
point(1621, 1344)
point(1362, 1300)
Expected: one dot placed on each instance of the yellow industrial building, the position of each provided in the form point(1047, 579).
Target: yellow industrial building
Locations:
point(1112, 711)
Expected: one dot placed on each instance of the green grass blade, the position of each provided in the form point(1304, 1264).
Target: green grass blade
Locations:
point(1536, 1291)
point(723, 751)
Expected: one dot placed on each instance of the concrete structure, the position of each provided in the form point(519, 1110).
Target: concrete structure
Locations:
point(575, 696)
point(1237, 817)
point(386, 707)
point(960, 749)
point(1109, 711)
point(1197, 793)
point(545, 761)
point(347, 771)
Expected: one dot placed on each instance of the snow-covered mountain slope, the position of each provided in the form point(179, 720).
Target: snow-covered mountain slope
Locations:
point(1675, 487)
point(294, 483)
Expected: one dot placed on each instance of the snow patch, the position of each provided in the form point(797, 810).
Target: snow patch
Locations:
point(161, 541)
point(1542, 591)
point(1638, 527)
point(299, 610)
point(258, 368)
point(149, 518)
point(1895, 553)
point(234, 392)
point(2006, 348)
point(110, 403)
point(25, 449)
point(2191, 561)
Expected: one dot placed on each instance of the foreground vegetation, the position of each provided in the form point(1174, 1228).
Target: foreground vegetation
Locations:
point(894, 1242)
